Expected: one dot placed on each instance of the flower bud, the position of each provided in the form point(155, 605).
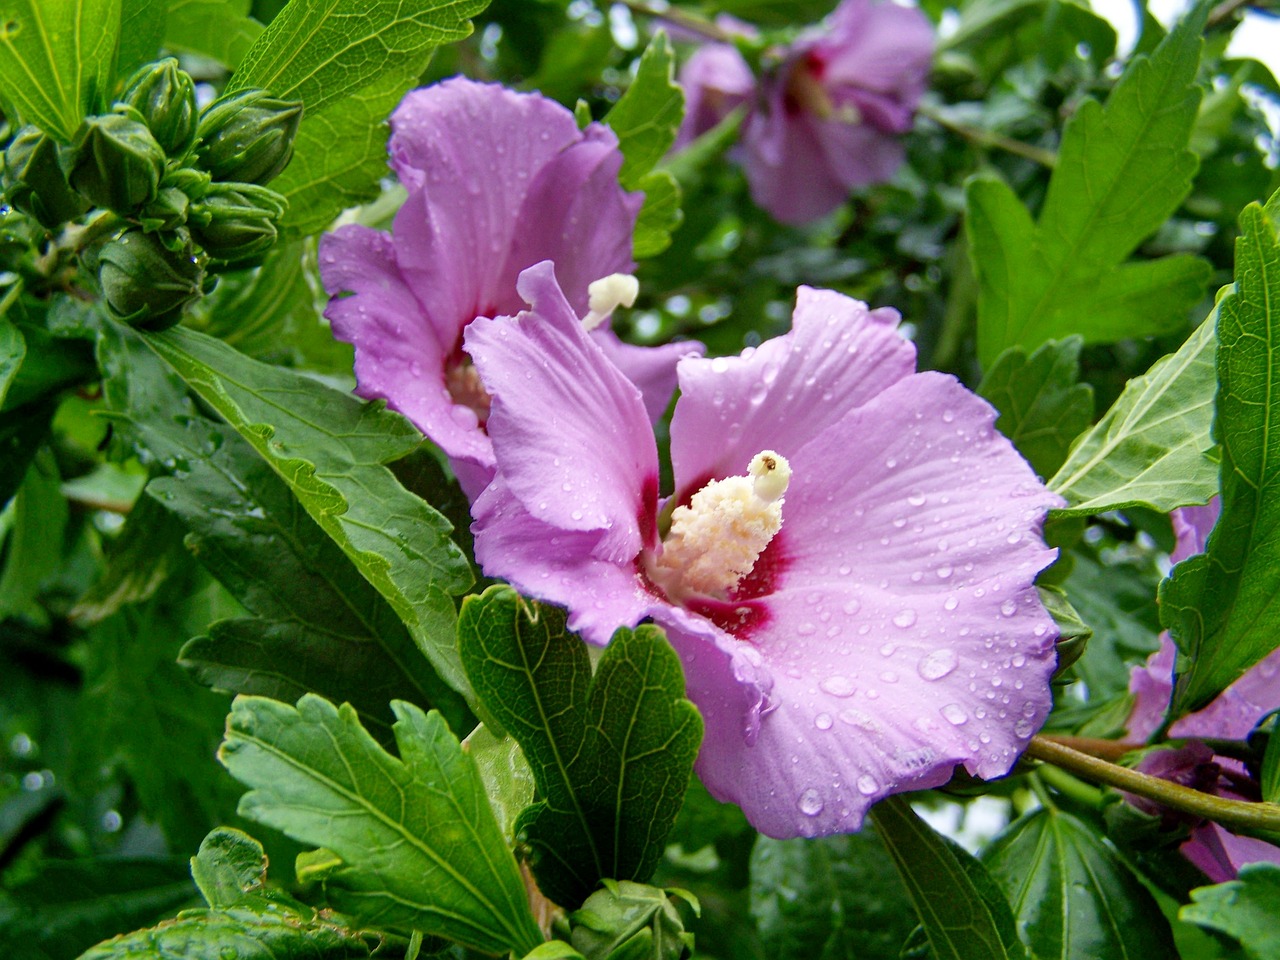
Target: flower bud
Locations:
point(147, 283)
point(163, 96)
point(194, 183)
point(629, 920)
point(116, 163)
point(167, 211)
point(247, 136)
point(34, 182)
point(236, 221)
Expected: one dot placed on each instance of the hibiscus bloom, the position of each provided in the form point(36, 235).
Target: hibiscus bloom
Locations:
point(497, 181)
point(865, 619)
point(1230, 716)
point(716, 81)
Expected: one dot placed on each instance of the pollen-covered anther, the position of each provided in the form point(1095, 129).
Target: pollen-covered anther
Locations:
point(608, 294)
point(716, 540)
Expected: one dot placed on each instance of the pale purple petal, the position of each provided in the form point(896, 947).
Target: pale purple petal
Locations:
point(877, 57)
point(1192, 526)
point(577, 216)
point(784, 159)
point(398, 352)
point(652, 369)
point(1229, 716)
point(557, 565)
point(715, 80)
point(837, 357)
point(574, 443)
point(1220, 854)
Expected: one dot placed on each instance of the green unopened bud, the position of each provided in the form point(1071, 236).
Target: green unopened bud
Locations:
point(163, 96)
point(194, 183)
point(167, 211)
point(145, 282)
point(630, 921)
point(236, 221)
point(34, 182)
point(116, 163)
point(247, 136)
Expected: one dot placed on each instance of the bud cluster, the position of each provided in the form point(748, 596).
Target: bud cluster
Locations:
point(185, 187)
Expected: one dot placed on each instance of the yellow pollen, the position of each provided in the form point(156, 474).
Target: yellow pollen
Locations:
point(716, 540)
point(607, 294)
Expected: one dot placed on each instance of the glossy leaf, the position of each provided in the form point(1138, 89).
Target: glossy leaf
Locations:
point(330, 449)
point(420, 846)
point(230, 865)
point(834, 898)
point(13, 348)
point(56, 59)
point(508, 781)
point(142, 30)
point(1223, 607)
point(1072, 896)
point(964, 914)
point(611, 754)
point(1153, 447)
point(1244, 909)
point(221, 29)
point(1043, 406)
point(1121, 171)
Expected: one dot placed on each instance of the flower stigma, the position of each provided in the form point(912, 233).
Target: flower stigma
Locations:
point(716, 540)
point(607, 294)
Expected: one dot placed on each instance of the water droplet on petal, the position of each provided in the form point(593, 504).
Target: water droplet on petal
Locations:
point(823, 721)
point(1009, 607)
point(916, 499)
point(954, 713)
point(936, 665)
point(904, 618)
point(867, 785)
point(810, 803)
point(837, 686)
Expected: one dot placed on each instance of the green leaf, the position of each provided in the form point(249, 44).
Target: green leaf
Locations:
point(1073, 897)
point(964, 914)
point(835, 898)
point(420, 846)
point(56, 59)
point(142, 30)
point(1042, 405)
point(322, 628)
point(349, 62)
point(22, 431)
point(13, 348)
point(331, 449)
point(1121, 171)
point(508, 781)
point(646, 120)
point(611, 754)
point(69, 905)
point(1244, 909)
point(221, 29)
point(1223, 607)
point(1153, 447)
point(230, 865)
point(33, 552)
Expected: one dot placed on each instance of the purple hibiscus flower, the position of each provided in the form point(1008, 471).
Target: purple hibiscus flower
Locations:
point(1230, 716)
point(845, 567)
point(830, 116)
point(497, 181)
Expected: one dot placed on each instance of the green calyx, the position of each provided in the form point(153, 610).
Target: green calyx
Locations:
point(247, 136)
point(148, 280)
point(163, 97)
point(116, 163)
point(235, 222)
point(34, 182)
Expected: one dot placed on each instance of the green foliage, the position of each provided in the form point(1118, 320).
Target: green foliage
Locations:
point(837, 898)
point(1071, 894)
point(56, 60)
point(1121, 171)
point(646, 120)
point(419, 845)
point(1152, 448)
point(229, 866)
point(611, 754)
point(33, 551)
point(142, 30)
point(13, 348)
point(508, 781)
point(1244, 909)
point(68, 906)
point(963, 912)
point(1221, 607)
point(221, 29)
point(1042, 405)
point(349, 62)
point(330, 449)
